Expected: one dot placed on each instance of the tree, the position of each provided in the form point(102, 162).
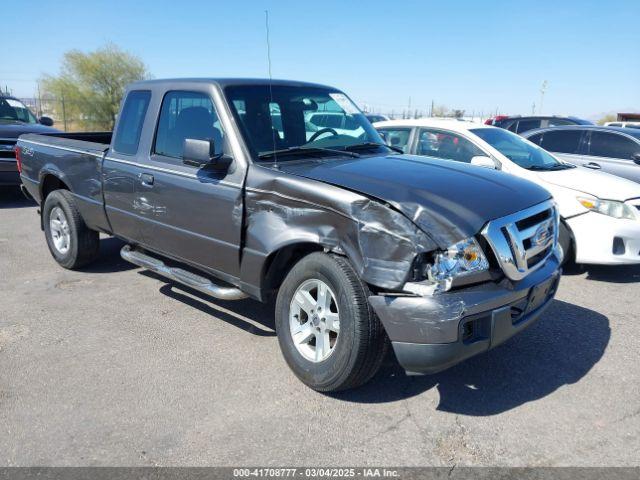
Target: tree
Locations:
point(91, 85)
point(610, 117)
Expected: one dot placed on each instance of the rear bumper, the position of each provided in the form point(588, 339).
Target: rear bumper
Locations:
point(600, 239)
point(432, 333)
point(9, 172)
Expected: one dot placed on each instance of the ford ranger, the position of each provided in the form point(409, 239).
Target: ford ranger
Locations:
point(227, 187)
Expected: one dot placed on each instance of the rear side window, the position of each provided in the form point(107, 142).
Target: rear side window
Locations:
point(186, 115)
point(526, 125)
point(558, 122)
point(397, 137)
point(561, 141)
point(439, 144)
point(130, 123)
point(537, 139)
point(605, 144)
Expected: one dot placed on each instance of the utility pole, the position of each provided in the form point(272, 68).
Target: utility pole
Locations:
point(64, 114)
point(533, 108)
point(39, 101)
point(543, 90)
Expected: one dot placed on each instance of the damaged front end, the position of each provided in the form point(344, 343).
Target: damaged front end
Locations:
point(438, 304)
point(282, 210)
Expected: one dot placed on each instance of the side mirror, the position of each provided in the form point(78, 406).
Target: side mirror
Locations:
point(383, 136)
point(482, 161)
point(202, 153)
point(46, 121)
point(636, 158)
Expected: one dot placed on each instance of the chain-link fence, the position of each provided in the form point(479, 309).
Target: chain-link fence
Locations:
point(66, 114)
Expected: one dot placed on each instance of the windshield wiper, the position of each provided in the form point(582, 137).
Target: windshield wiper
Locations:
point(562, 166)
point(538, 168)
point(557, 166)
point(308, 150)
point(364, 145)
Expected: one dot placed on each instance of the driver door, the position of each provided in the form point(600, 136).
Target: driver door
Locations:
point(191, 213)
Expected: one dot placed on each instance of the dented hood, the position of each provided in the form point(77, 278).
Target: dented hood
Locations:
point(448, 200)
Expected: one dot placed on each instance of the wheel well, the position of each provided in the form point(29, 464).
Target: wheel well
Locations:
point(49, 184)
point(571, 254)
point(281, 261)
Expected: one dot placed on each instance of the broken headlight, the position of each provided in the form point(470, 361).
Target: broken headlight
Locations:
point(459, 260)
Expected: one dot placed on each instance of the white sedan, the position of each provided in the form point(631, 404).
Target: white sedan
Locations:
point(600, 212)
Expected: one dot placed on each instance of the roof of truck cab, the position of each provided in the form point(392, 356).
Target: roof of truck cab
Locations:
point(228, 82)
point(448, 123)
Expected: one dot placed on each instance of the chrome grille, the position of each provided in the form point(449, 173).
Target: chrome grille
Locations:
point(522, 242)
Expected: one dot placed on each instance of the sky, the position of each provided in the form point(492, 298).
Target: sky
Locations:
point(479, 56)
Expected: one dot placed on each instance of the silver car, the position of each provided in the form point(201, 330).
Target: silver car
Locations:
point(610, 149)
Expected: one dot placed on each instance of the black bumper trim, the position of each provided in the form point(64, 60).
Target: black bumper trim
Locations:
point(425, 358)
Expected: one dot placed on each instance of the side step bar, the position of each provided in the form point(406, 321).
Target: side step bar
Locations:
point(179, 275)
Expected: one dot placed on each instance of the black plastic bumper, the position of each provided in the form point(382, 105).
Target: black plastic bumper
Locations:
point(9, 178)
point(431, 334)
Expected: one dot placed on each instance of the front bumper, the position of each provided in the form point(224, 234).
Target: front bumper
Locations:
point(600, 239)
point(432, 333)
point(9, 172)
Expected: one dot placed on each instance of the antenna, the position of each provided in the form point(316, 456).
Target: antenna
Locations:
point(273, 131)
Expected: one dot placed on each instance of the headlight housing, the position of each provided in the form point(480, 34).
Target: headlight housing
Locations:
point(459, 260)
point(611, 208)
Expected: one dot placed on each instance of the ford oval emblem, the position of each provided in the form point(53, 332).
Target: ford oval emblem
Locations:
point(543, 235)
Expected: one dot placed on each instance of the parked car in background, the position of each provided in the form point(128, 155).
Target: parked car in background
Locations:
point(600, 212)
point(376, 117)
point(332, 121)
point(207, 192)
point(520, 124)
point(613, 150)
point(623, 124)
point(16, 119)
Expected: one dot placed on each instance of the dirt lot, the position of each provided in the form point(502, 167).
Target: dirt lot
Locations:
point(114, 366)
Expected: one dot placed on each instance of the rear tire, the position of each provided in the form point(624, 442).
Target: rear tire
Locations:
point(355, 353)
point(70, 241)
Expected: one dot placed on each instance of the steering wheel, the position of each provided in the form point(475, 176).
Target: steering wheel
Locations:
point(322, 131)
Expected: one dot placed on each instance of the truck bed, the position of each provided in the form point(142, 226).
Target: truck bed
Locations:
point(85, 141)
point(72, 159)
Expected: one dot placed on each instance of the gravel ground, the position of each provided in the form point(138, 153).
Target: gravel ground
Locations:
point(114, 366)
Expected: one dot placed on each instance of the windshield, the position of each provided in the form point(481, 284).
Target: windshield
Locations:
point(518, 150)
point(12, 110)
point(284, 119)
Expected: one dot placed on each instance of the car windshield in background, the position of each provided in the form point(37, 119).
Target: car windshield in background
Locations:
point(12, 110)
point(519, 151)
point(284, 121)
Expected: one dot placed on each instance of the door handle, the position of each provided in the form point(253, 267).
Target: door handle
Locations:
point(146, 179)
point(592, 165)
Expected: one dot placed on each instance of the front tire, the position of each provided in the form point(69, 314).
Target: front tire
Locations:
point(565, 239)
point(70, 241)
point(328, 333)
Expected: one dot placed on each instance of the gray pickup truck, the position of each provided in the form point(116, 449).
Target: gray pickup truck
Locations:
point(226, 186)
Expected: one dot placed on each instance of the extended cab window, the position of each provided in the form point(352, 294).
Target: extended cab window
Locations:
point(604, 144)
point(397, 137)
point(130, 123)
point(186, 115)
point(439, 144)
point(561, 141)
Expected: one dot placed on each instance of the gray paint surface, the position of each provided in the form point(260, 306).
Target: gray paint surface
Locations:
point(211, 219)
